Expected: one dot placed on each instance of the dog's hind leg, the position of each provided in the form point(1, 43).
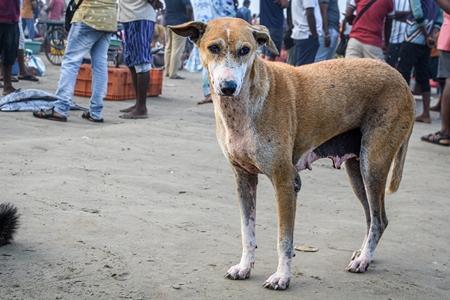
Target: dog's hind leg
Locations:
point(353, 168)
point(246, 190)
point(373, 173)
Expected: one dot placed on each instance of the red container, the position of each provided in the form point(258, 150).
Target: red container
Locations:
point(120, 83)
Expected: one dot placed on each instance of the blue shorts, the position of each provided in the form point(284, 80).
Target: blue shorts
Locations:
point(138, 42)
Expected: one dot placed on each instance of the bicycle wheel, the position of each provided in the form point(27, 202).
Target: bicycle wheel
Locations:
point(55, 45)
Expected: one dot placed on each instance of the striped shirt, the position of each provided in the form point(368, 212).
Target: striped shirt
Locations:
point(398, 27)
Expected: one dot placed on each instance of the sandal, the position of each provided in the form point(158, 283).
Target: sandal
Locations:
point(437, 138)
point(87, 115)
point(177, 77)
point(28, 77)
point(49, 114)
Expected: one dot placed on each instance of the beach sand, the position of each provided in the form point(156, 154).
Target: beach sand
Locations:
point(147, 209)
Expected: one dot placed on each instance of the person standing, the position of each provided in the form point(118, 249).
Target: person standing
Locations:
point(28, 17)
point(9, 37)
point(271, 15)
point(92, 25)
point(402, 11)
point(205, 11)
point(307, 22)
point(244, 12)
point(442, 137)
point(177, 12)
point(424, 22)
point(138, 18)
point(55, 9)
point(373, 18)
point(328, 41)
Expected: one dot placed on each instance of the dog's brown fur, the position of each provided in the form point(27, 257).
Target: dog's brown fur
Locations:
point(276, 119)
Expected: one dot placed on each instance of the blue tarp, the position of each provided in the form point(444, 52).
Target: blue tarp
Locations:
point(31, 100)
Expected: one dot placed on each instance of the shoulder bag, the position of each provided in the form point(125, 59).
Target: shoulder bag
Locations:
point(70, 11)
point(342, 46)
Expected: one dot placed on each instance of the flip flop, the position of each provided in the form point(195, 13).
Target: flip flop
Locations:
point(436, 138)
point(49, 115)
point(177, 77)
point(87, 115)
point(28, 77)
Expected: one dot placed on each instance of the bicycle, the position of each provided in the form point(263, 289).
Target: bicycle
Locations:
point(55, 40)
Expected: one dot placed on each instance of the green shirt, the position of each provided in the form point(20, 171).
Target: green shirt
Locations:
point(99, 14)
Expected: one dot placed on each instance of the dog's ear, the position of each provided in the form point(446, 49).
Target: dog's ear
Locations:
point(193, 30)
point(262, 37)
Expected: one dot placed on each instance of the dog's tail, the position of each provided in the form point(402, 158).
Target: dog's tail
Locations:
point(397, 170)
point(9, 222)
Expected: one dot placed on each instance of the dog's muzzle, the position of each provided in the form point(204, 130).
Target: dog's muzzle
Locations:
point(227, 88)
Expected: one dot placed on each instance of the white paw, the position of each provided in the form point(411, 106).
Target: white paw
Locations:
point(238, 272)
point(277, 282)
point(358, 264)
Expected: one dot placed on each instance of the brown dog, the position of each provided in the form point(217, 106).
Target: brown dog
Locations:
point(275, 119)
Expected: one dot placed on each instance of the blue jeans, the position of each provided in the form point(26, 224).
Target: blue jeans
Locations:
point(29, 24)
point(325, 53)
point(81, 40)
point(305, 51)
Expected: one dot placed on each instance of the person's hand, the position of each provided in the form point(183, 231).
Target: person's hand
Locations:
point(385, 50)
point(156, 4)
point(431, 41)
point(327, 40)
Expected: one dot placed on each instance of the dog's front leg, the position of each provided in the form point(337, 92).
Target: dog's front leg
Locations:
point(246, 190)
point(287, 185)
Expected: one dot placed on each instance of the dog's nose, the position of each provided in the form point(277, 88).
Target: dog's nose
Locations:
point(228, 87)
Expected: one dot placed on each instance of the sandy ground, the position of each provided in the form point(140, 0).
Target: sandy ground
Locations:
point(147, 209)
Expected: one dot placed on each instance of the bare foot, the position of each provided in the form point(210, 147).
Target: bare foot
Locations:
point(208, 99)
point(8, 90)
point(126, 110)
point(437, 107)
point(423, 119)
point(134, 114)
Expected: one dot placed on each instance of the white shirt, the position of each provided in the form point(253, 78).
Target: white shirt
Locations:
point(301, 29)
point(133, 10)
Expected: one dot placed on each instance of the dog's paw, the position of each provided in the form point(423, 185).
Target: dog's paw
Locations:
point(277, 282)
point(237, 272)
point(358, 264)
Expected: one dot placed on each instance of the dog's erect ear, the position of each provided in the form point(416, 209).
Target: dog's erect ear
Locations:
point(262, 37)
point(193, 30)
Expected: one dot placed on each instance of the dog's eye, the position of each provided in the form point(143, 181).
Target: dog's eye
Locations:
point(214, 49)
point(244, 51)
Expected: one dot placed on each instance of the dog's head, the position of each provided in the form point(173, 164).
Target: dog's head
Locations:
point(227, 49)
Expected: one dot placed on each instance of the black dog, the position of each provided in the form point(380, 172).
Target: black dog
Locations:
point(9, 222)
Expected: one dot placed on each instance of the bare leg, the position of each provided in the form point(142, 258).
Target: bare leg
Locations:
point(425, 116)
point(22, 68)
point(140, 83)
point(7, 85)
point(445, 108)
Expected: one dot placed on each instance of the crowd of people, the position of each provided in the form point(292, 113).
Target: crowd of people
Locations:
point(401, 33)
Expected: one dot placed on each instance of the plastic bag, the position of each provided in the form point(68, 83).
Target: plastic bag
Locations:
point(36, 62)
